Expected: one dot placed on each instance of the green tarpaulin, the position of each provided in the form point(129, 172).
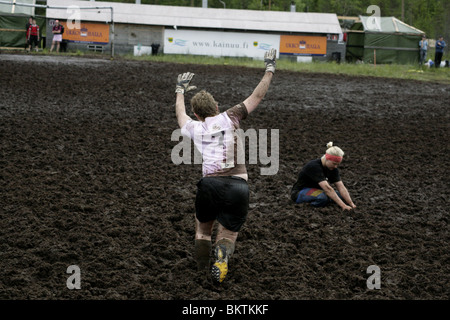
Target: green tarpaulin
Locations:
point(13, 31)
point(383, 40)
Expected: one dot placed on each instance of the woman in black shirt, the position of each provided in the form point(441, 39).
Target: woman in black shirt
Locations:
point(314, 181)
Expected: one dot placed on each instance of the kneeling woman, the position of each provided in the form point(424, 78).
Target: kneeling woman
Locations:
point(314, 181)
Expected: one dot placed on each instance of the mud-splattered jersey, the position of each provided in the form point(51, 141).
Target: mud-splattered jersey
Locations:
point(217, 140)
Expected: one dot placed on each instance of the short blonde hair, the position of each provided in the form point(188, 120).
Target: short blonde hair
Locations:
point(204, 105)
point(334, 150)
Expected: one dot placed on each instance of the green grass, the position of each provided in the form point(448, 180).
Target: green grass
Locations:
point(413, 72)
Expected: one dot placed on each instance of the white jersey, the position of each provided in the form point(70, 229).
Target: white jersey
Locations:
point(216, 139)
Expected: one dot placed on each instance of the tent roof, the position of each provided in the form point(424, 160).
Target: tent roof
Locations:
point(387, 25)
point(195, 17)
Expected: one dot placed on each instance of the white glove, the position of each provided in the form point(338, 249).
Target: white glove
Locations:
point(269, 60)
point(183, 82)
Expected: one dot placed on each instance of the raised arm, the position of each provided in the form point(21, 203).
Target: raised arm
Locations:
point(261, 89)
point(182, 87)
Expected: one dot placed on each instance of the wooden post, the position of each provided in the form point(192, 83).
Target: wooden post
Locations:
point(375, 57)
point(112, 32)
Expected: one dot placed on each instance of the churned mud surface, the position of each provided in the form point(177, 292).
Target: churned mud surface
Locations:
point(87, 179)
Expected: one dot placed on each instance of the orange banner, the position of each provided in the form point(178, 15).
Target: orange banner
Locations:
point(97, 33)
point(303, 45)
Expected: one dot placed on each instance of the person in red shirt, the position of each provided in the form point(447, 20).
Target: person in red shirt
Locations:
point(33, 36)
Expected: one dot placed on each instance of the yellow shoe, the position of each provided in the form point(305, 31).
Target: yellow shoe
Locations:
point(220, 268)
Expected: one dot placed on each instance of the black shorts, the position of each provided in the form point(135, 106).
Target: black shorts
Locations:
point(34, 41)
point(224, 199)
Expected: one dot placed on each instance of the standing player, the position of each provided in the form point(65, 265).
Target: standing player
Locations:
point(314, 181)
point(222, 193)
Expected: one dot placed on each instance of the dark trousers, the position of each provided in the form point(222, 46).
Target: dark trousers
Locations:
point(316, 197)
point(437, 59)
point(423, 56)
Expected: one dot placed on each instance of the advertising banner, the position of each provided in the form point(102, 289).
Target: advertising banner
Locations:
point(219, 44)
point(96, 33)
point(303, 45)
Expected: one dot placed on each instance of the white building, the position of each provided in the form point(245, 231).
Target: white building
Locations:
point(194, 30)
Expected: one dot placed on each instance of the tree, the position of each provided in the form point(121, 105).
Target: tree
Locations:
point(430, 16)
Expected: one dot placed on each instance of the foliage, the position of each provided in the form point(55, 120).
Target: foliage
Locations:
point(430, 16)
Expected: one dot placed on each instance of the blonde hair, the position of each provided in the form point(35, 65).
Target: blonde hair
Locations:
point(204, 105)
point(333, 150)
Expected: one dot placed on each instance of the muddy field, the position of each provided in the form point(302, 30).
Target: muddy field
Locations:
point(87, 179)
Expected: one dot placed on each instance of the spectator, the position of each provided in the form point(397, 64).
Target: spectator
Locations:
point(57, 36)
point(440, 45)
point(33, 36)
point(27, 27)
point(423, 44)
